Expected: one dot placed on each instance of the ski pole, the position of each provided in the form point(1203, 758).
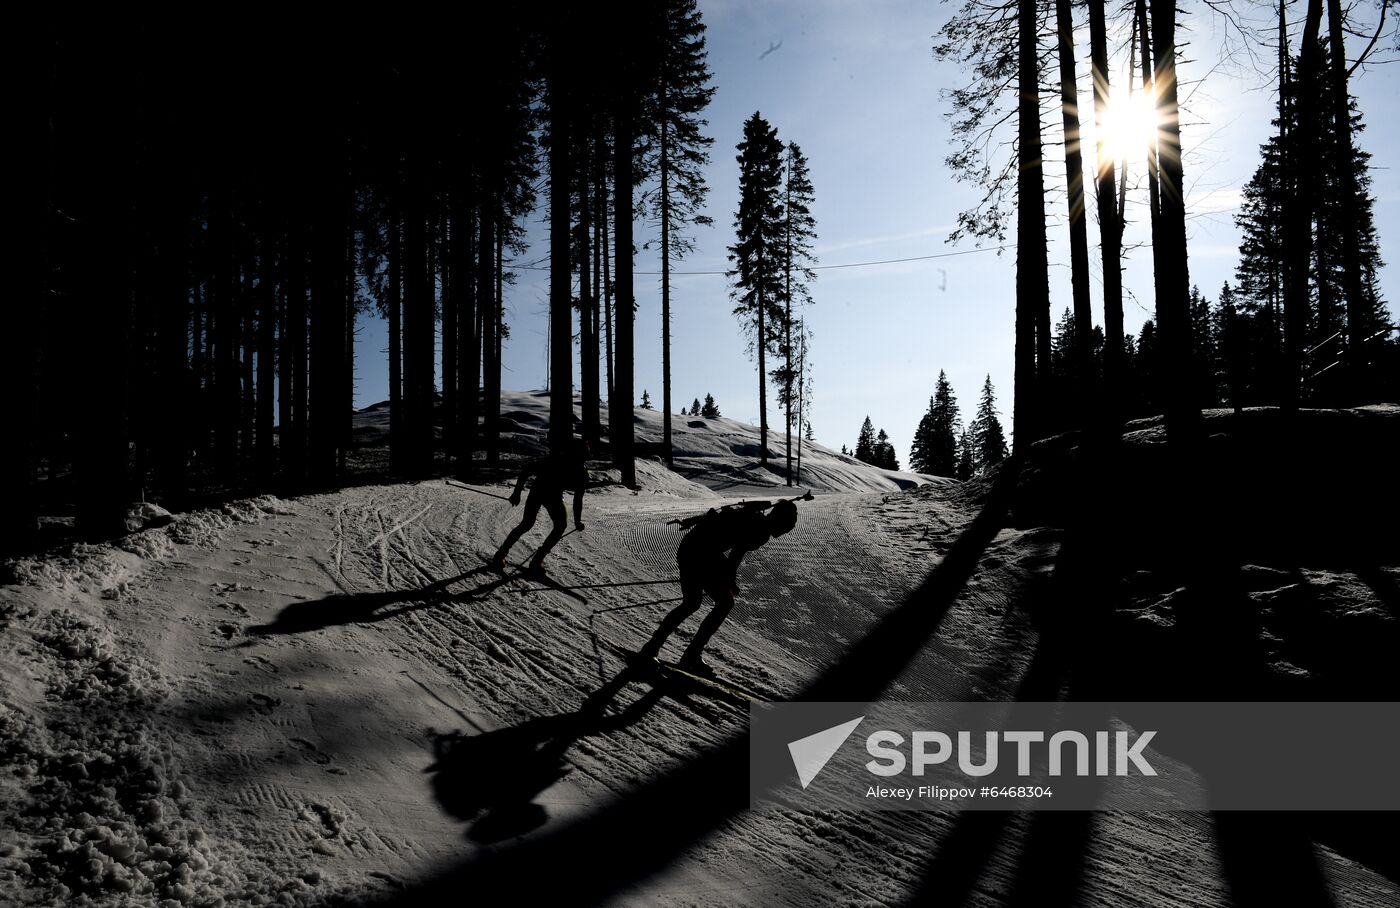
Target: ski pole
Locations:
point(458, 485)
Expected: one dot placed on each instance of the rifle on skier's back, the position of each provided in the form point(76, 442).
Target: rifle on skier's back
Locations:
point(756, 506)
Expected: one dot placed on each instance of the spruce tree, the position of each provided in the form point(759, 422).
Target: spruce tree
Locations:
point(799, 234)
point(694, 407)
point(935, 447)
point(988, 439)
point(757, 251)
point(967, 464)
point(1342, 227)
point(865, 443)
point(711, 409)
point(679, 152)
point(882, 454)
point(646, 400)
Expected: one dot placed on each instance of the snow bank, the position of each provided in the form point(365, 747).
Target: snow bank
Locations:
point(92, 809)
point(108, 568)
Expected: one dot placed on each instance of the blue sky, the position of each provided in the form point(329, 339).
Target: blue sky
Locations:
point(855, 84)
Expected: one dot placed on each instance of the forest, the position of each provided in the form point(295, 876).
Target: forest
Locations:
point(207, 224)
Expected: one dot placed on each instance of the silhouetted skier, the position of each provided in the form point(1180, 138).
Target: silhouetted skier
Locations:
point(709, 556)
point(554, 475)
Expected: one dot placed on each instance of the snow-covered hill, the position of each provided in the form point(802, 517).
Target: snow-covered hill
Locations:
point(717, 454)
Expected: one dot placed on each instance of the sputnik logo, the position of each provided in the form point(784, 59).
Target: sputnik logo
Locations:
point(811, 753)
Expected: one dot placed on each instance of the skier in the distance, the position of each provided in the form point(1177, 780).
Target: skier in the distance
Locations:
point(709, 558)
point(554, 474)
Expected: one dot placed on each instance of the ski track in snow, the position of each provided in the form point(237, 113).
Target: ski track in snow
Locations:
point(309, 747)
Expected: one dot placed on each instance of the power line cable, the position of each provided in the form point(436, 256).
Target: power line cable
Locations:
point(917, 258)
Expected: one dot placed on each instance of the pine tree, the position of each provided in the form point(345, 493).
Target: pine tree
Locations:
point(967, 464)
point(1032, 258)
point(935, 447)
point(681, 153)
point(1110, 216)
point(1341, 214)
point(1229, 367)
point(882, 454)
point(711, 409)
point(865, 443)
point(694, 408)
point(757, 252)
point(988, 439)
point(799, 235)
point(1077, 379)
point(646, 400)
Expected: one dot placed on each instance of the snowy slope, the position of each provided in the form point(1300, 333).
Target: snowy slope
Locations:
point(721, 454)
point(296, 702)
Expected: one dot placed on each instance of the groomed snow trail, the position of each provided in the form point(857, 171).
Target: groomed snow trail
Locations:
point(350, 689)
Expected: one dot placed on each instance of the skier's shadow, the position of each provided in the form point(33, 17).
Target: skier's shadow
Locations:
point(492, 779)
point(367, 608)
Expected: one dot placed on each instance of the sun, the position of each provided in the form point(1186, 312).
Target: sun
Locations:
point(1130, 123)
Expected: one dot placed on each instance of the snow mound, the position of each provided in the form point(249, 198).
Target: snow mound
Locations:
point(722, 455)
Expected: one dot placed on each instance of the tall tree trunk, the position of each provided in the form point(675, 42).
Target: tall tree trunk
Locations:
point(488, 303)
point(93, 146)
point(607, 285)
point(561, 387)
point(588, 302)
point(172, 338)
point(199, 431)
point(1173, 282)
point(24, 316)
point(493, 450)
point(223, 291)
point(396, 417)
point(284, 353)
point(666, 293)
point(1081, 354)
point(787, 322)
point(474, 347)
point(1032, 277)
point(1299, 211)
point(1110, 223)
point(1353, 281)
point(598, 213)
point(620, 405)
point(347, 386)
point(418, 319)
point(1154, 204)
point(294, 438)
point(267, 358)
point(327, 328)
point(762, 368)
point(454, 320)
point(801, 394)
point(247, 320)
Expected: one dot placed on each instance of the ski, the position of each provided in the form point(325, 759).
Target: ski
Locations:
point(720, 688)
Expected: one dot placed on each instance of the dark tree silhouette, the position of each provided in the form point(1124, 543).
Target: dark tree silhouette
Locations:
point(757, 251)
point(1080, 353)
point(799, 233)
point(1032, 266)
point(679, 152)
point(935, 446)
